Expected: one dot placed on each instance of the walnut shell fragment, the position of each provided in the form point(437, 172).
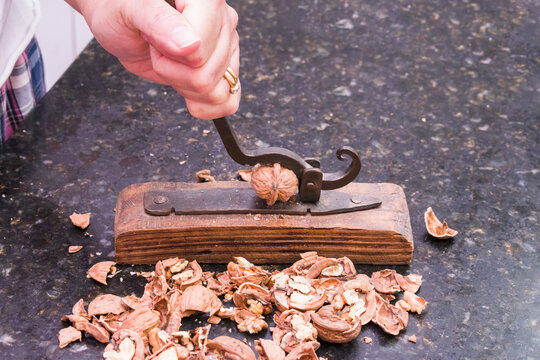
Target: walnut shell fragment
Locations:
point(97, 331)
point(410, 282)
point(197, 298)
point(269, 350)
point(80, 220)
point(385, 281)
point(296, 292)
point(78, 309)
point(225, 347)
point(241, 271)
point(437, 229)
point(141, 320)
point(204, 176)
point(254, 298)
point(390, 318)
point(100, 270)
point(125, 345)
point(249, 322)
point(292, 329)
point(245, 175)
point(68, 335)
point(332, 328)
point(74, 248)
point(305, 351)
point(107, 304)
point(125, 351)
point(416, 303)
point(273, 182)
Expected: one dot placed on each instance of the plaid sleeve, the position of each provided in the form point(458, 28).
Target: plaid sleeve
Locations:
point(23, 89)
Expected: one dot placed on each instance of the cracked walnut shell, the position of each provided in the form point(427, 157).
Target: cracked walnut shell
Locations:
point(437, 229)
point(273, 183)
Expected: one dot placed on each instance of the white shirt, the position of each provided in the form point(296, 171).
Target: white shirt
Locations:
point(18, 21)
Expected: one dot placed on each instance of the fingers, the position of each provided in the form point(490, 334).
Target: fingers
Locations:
point(220, 102)
point(190, 51)
point(164, 27)
point(218, 91)
point(204, 110)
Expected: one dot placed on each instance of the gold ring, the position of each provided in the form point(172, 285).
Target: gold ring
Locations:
point(233, 80)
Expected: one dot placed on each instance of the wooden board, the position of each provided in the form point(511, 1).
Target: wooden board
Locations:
point(377, 236)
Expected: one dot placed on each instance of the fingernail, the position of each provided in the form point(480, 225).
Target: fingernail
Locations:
point(183, 36)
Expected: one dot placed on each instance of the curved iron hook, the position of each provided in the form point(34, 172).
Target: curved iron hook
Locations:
point(341, 178)
point(287, 158)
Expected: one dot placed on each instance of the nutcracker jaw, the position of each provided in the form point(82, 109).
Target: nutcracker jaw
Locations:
point(311, 179)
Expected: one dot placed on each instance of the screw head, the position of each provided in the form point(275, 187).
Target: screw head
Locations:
point(160, 199)
point(356, 200)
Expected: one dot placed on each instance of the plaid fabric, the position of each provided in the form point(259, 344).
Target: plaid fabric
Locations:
point(24, 87)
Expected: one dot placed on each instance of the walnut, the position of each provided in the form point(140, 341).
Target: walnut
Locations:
point(412, 338)
point(80, 220)
point(273, 183)
point(437, 229)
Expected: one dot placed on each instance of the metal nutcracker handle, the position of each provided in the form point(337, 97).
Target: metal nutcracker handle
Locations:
point(310, 177)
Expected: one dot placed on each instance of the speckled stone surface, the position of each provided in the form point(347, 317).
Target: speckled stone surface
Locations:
point(440, 97)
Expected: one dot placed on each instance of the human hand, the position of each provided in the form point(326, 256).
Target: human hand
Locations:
point(189, 47)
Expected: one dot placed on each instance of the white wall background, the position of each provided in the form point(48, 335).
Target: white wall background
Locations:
point(62, 34)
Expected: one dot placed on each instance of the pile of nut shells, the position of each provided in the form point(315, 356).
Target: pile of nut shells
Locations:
point(315, 298)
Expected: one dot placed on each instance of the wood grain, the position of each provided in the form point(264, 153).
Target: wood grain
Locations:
point(377, 236)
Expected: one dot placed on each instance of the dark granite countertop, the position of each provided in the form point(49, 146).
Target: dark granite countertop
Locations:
point(440, 97)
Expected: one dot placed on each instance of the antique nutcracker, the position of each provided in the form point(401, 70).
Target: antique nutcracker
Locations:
point(214, 221)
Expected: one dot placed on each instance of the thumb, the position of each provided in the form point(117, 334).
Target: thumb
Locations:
point(163, 26)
